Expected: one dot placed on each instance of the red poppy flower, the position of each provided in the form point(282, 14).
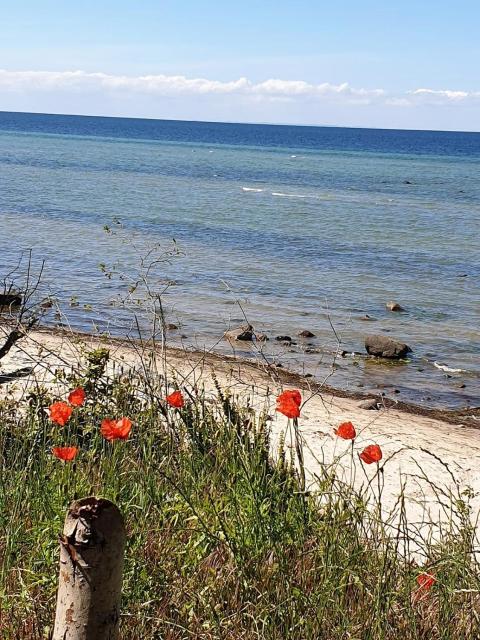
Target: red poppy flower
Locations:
point(65, 453)
point(291, 394)
point(116, 429)
point(176, 400)
point(426, 581)
point(289, 408)
point(77, 397)
point(60, 413)
point(289, 403)
point(346, 431)
point(372, 453)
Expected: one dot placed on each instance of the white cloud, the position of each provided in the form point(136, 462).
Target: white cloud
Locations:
point(446, 94)
point(241, 100)
point(165, 85)
point(177, 85)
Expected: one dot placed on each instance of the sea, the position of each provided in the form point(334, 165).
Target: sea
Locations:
point(288, 228)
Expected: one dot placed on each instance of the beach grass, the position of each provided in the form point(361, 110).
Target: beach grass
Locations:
point(223, 540)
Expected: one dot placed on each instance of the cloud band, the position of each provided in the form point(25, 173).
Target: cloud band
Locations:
point(271, 89)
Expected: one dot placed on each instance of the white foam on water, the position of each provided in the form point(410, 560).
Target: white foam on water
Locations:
point(251, 189)
point(288, 195)
point(444, 367)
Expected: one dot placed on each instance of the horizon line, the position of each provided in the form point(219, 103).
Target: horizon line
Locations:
point(246, 123)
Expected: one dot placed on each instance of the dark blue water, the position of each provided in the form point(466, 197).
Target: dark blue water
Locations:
point(255, 135)
point(303, 226)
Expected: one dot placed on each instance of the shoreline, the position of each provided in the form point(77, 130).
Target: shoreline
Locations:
point(444, 445)
point(236, 264)
point(468, 417)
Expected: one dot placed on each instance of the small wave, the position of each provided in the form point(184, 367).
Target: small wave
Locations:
point(293, 156)
point(287, 195)
point(444, 367)
point(251, 189)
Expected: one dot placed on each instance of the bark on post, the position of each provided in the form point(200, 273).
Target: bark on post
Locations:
point(91, 566)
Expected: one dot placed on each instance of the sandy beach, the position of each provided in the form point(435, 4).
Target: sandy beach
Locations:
point(239, 321)
point(416, 447)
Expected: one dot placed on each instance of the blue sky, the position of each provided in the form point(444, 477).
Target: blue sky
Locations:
point(351, 62)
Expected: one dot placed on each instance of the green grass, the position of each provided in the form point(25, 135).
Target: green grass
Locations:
point(222, 543)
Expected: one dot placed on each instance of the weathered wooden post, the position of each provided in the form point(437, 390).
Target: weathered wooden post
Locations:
point(91, 566)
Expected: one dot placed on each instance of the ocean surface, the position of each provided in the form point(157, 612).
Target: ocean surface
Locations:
point(291, 227)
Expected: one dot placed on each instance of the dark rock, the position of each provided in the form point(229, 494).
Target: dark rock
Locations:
point(10, 300)
point(370, 405)
point(243, 333)
point(306, 334)
point(461, 385)
point(407, 182)
point(283, 338)
point(384, 347)
point(171, 326)
point(308, 375)
point(394, 306)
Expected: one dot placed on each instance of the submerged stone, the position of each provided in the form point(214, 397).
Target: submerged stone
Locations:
point(384, 347)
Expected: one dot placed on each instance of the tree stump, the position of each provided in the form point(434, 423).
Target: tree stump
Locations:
point(91, 566)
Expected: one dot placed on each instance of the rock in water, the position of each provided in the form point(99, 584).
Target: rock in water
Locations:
point(306, 334)
point(384, 347)
point(10, 300)
point(244, 333)
point(394, 306)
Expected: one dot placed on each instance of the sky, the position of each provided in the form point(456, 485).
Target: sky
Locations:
point(394, 64)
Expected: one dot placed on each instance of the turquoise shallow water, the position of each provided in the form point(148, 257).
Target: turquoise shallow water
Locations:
point(306, 227)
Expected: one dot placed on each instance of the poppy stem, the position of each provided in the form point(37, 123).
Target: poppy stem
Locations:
point(379, 485)
point(299, 451)
point(352, 443)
